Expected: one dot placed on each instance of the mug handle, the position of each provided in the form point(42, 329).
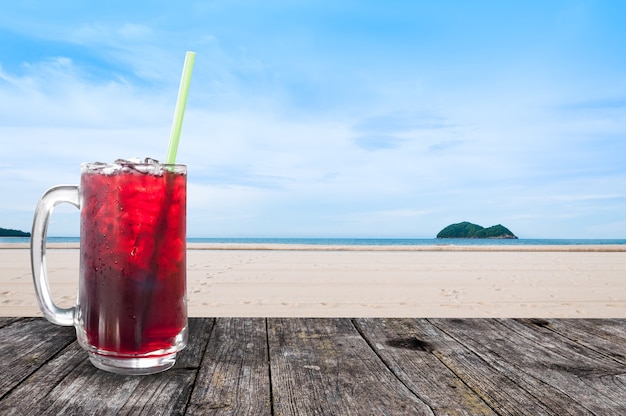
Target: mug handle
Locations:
point(51, 198)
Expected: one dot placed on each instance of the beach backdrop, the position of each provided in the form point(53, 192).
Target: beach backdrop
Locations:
point(367, 119)
point(365, 277)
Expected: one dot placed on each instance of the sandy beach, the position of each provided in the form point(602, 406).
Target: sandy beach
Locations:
point(358, 281)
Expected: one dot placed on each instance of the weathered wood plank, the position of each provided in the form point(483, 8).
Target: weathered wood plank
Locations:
point(160, 394)
point(234, 379)
point(32, 395)
point(606, 336)
point(499, 389)
point(595, 379)
point(199, 333)
point(562, 375)
point(5, 321)
point(324, 366)
point(398, 342)
point(332, 366)
point(25, 345)
point(69, 385)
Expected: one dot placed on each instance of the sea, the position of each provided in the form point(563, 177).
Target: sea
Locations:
point(368, 241)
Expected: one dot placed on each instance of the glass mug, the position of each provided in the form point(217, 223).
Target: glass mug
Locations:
point(131, 310)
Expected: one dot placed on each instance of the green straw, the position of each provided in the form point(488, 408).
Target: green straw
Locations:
point(179, 112)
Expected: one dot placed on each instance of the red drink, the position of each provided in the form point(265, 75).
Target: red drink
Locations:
point(132, 300)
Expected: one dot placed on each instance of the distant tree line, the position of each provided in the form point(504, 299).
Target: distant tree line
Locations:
point(468, 230)
point(7, 232)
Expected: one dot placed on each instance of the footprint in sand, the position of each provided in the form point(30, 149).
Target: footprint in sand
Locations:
point(452, 293)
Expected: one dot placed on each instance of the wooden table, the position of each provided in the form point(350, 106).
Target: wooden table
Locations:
point(292, 366)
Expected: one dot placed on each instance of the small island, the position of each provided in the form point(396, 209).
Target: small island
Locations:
point(469, 230)
point(7, 232)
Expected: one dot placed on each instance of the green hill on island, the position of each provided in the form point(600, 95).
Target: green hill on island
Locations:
point(469, 230)
point(7, 232)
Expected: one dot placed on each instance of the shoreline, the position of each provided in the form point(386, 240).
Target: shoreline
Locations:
point(373, 247)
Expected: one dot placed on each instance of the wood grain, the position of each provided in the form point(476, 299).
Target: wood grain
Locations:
point(332, 366)
point(324, 366)
point(234, 376)
point(409, 354)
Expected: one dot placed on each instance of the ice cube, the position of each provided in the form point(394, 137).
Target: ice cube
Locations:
point(110, 169)
point(148, 165)
point(130, 161)
point(150, 161)
point(103, 168)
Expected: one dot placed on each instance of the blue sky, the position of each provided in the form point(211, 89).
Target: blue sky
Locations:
point(326, 118)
